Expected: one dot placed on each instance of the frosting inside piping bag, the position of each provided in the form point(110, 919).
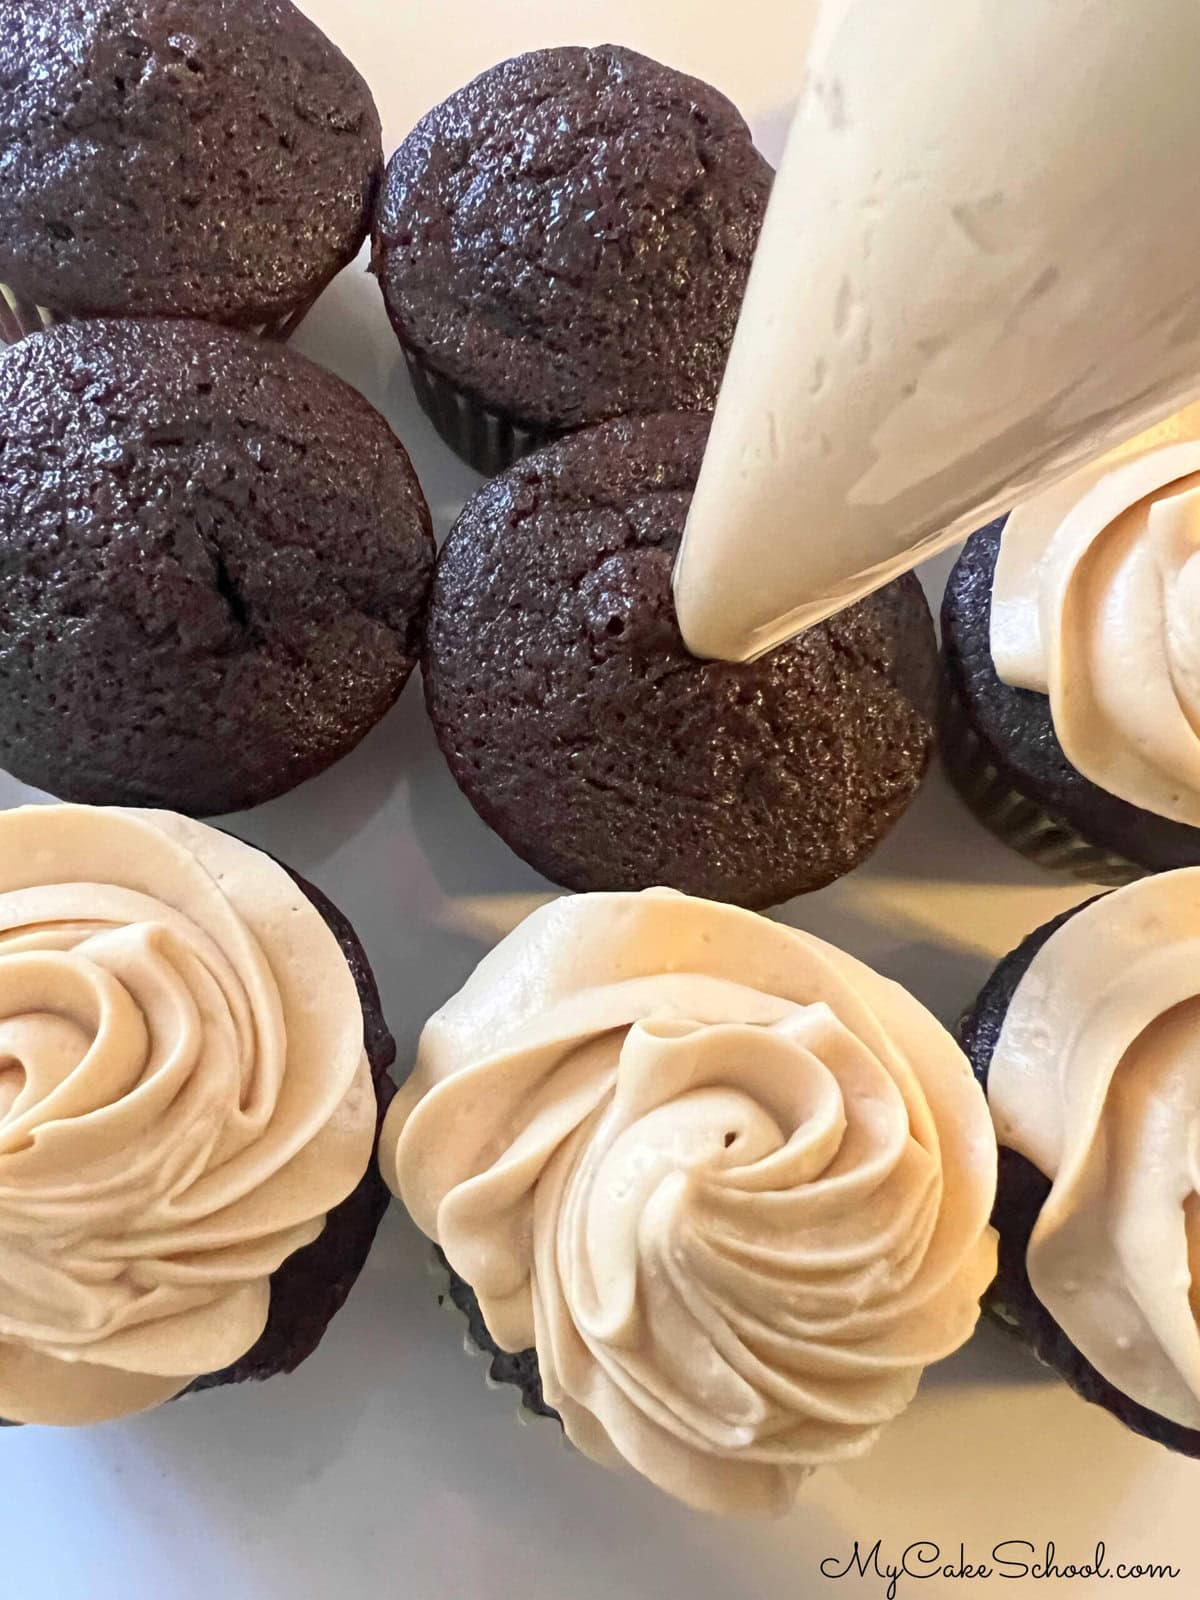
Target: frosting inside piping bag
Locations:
point(731, 1184)
point(977, 271)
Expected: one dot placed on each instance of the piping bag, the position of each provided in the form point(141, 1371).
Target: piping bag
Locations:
point(979, 269)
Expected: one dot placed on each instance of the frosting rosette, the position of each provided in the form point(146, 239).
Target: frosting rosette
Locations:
point(184, 1095)
point(1095, 1080)
point(730, 1184)
point(1096, 604)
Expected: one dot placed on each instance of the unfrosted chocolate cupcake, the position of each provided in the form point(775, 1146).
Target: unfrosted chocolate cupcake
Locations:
point(215, 557)
point(1085, 1039)
point(193, 1033)
point(582, 731)
point(185, 158)
point(567, 239)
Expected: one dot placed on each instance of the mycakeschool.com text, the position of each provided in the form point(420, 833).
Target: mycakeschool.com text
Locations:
point(1013, 1560)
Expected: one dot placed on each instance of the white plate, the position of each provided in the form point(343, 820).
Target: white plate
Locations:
point(385, 1467)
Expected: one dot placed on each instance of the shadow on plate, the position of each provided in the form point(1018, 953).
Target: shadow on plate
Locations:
point(938, 839)
point(319, 816)
point(464, 855)
point(992, 1358)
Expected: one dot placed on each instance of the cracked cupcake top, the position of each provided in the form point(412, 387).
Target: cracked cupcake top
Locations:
point(214, 559)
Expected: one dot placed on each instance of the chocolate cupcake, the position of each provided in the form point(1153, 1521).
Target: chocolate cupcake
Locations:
point(311, 1286)
point(713, 1192)
point(216, 159)
point(566, 240)
point(192, 1037)
point(1072, 685)
point(1085, 1039)
point(583, 732)
point(215, 557)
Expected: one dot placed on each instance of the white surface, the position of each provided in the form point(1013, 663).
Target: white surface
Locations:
point(385, 1467)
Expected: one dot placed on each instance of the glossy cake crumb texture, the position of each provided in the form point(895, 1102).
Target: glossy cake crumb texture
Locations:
point(577, 724)
point(216, 160)
point(565, 240)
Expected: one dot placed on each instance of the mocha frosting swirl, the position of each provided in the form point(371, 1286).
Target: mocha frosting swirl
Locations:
point(183, 1096)
point(731, 1184)
point(1096, 1081)
point(1096, 603)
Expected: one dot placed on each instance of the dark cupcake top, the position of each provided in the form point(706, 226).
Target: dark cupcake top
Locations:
point(201, 158)
point(569, 236)
point(213, 561)
point(576, 721)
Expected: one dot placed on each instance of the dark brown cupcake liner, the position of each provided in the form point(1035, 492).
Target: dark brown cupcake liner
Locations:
point(20, 317)
point(1021, 823)
point(1021, 1193)
point(309, 1289)
point(484, 438)
point(312, 1286)
point(503, 1369)
point(280, 329)
point(1011, 1304)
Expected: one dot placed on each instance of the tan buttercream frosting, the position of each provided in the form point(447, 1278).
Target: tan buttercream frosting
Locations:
point(731, 1184)
point(1096, 1081)
point(1096, 603)
point(977, 271)
point(184, 1095)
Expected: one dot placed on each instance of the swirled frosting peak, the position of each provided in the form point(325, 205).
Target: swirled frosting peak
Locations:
point(732, 1186)
point(1096, 603)
point(183, 1097)
point(1096, 1080)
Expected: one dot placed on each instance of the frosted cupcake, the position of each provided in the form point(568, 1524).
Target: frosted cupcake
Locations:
point(714, 1193)
point(1086, 1038)
point(192, 1062)
point(1071, 715)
